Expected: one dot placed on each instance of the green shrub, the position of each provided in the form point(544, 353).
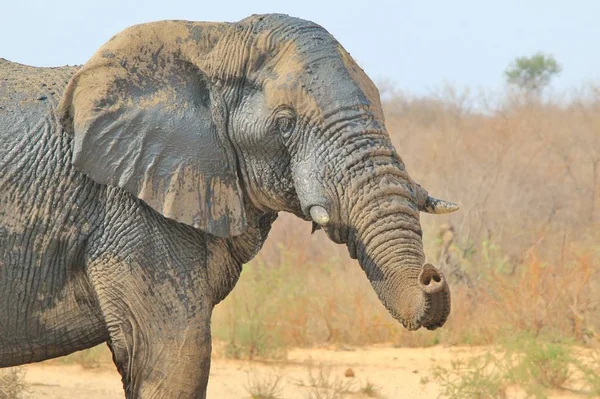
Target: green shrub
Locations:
point(530, 365)
point(481, 377)
point(540, 364)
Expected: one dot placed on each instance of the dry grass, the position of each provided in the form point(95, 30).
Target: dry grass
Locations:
point(92, 358)
point(524, 173)
point(482, 377)
point(328, 302)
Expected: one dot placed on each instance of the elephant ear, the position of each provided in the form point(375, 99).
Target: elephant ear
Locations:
point(155, 125)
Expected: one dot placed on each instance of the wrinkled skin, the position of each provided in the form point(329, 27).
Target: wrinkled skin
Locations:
point(131, 197)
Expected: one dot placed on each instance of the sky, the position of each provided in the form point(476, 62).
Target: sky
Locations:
point(418, 45)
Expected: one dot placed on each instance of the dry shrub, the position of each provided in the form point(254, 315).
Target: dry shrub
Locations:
point(322, 383)
point(546, 299)
point(12, 385)
point(290, 305)
point(264, 385)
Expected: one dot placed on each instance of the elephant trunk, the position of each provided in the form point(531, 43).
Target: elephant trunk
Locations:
point(379, 222)
point(385, 237)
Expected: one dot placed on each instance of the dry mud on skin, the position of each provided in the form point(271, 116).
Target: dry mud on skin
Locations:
point(397, 372)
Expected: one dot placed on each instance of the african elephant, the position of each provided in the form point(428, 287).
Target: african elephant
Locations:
point(134, 188)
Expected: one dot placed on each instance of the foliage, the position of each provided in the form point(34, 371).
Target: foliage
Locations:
point(534, 73)
point(250, 325)
point(541, 364)
point(524, 364)
point(481, 377)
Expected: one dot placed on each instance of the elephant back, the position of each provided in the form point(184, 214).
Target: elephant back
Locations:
point(29, 94)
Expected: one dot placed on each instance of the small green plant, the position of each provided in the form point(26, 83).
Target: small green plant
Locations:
point(371, 390)
point(540, 364)
point(530, 364)
point(481, 377)
point(12, 384)
point(265, 386)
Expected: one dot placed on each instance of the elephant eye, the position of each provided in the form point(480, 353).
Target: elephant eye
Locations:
point(285, 121)
point(286, 125)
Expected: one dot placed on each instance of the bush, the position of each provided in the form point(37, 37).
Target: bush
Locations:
point(482, 377)
point(524, 364)
point(267, 386)
point(540, 364)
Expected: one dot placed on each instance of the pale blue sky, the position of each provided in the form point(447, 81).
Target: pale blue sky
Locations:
point(417, 44)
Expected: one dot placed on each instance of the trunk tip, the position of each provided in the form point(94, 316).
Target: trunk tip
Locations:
point(431, 280)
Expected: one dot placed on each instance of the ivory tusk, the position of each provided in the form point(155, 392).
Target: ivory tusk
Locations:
point(319, 215)
point(438, 206)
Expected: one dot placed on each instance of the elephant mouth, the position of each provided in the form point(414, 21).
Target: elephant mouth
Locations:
point(335, 230)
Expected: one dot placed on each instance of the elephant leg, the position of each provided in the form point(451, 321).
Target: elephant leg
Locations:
point(158, 319)
point(172, 363)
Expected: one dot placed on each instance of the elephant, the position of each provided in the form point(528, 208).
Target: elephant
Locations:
point(135, 187)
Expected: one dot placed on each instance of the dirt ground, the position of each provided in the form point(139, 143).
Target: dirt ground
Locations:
point(396, 372)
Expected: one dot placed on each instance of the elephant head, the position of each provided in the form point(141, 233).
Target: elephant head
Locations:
point(209, 123)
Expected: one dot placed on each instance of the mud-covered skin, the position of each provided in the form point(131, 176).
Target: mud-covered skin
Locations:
point(134, 188)
point(82, 263)
point(44, 224)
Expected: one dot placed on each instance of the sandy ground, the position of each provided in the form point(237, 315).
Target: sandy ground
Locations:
point(397, 372)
